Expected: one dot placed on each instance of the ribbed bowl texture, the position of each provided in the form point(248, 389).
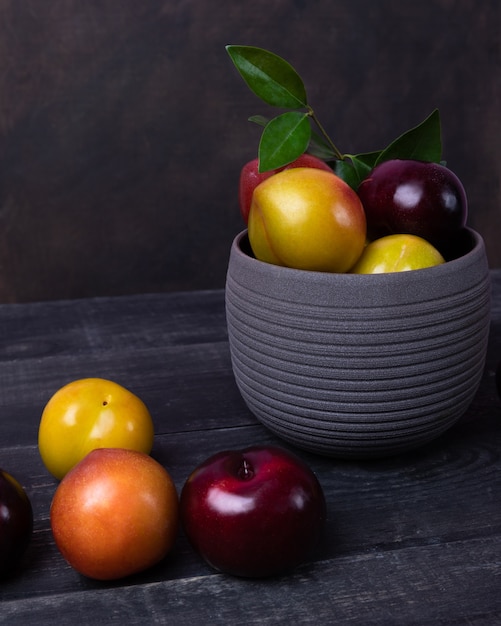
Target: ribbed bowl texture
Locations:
point(358, 366)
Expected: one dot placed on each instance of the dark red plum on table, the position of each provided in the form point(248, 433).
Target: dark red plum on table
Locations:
point(16, 523)
point(253, 513)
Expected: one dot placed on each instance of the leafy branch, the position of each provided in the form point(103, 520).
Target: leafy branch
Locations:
point(288, 135)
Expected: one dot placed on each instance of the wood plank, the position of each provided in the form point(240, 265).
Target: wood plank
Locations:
point(425, 585)
point(431, 496)
point(123, 126)
point(411, 539)
point(183, 387)
point(170, 349)
point(75, 327)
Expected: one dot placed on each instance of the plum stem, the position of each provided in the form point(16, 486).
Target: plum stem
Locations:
point(245, 471)
point(338, 154)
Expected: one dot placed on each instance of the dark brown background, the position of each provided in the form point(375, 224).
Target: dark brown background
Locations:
point(123, 124)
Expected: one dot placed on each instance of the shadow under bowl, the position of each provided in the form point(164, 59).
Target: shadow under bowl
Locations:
point(353, 365)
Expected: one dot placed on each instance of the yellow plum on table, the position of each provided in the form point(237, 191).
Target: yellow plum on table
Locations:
point(91, 413)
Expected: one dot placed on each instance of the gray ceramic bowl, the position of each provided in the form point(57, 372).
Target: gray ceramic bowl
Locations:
point(358, 366)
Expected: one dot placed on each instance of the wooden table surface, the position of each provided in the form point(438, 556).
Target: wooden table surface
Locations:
point(415, 539)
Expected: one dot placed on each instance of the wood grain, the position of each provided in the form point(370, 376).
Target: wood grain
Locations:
point(413, 539)
point(123, 125)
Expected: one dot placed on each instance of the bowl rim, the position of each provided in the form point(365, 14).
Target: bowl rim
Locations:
point(452, 265)
point(449, 279)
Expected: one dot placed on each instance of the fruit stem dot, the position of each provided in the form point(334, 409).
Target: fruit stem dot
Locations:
point(245, 471)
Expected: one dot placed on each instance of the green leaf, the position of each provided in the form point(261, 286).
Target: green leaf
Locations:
point(345, 170)
point(283, 140)
point(366, 158)
point(317, 146)
point(260, 120)
point(421, 143)
point(353, 168)
point(320, 148)
point(269, 76)
point(362, 169)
